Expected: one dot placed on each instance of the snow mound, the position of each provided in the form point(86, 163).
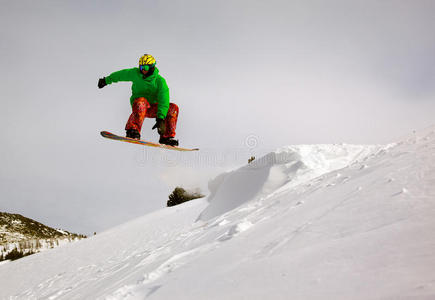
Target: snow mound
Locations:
point(280, 170)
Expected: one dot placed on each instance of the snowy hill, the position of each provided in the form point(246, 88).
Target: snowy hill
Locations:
point(279, 171)
point(303, 222)
point(28, 236)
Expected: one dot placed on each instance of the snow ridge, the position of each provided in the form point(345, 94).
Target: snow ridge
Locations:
point(281, 170)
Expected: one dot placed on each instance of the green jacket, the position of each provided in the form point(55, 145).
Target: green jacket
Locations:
point(153, 88)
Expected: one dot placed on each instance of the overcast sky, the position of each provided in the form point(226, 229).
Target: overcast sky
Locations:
point(248, 76)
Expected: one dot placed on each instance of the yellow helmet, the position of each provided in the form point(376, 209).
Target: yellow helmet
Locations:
point(147, 59)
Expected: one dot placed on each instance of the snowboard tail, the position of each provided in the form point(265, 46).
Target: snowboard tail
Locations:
point(112, 136)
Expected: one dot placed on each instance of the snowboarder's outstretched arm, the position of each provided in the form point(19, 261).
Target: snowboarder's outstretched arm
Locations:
point(122, 75)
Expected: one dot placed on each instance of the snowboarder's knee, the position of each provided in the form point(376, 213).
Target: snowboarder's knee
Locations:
point(173, 107)
point(140, 100)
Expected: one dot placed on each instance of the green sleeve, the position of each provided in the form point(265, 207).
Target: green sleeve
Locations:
point(123, 75)
point(162, 98)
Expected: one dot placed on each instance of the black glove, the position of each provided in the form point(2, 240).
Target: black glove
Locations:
point(160, 125)
point(102, 82)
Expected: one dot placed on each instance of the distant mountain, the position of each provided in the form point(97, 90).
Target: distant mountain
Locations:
point(20, 236)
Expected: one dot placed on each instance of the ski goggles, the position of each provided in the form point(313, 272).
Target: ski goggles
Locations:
point(145, 67)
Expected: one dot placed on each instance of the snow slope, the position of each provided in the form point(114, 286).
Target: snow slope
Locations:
point(306, 222)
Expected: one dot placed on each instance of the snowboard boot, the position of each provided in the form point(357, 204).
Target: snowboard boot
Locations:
point(168, 141)
point(133, 133)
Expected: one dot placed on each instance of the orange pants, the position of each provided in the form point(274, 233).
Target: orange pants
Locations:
point(142, 109)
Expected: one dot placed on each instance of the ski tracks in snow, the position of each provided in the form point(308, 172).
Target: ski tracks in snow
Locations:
point(188, 245)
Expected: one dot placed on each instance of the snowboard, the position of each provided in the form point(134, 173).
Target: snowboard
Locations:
point(112, 136)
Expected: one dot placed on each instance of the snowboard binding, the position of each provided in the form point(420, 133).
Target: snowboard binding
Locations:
point(133, 134)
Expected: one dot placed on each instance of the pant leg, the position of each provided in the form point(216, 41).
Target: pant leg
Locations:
point(152, 111)
point(139, 107)
point(171, 120)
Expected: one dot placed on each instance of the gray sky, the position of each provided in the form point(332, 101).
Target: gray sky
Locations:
point(249, 76)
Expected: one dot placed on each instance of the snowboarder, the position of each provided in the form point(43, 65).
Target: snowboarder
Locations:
point(149, 99)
